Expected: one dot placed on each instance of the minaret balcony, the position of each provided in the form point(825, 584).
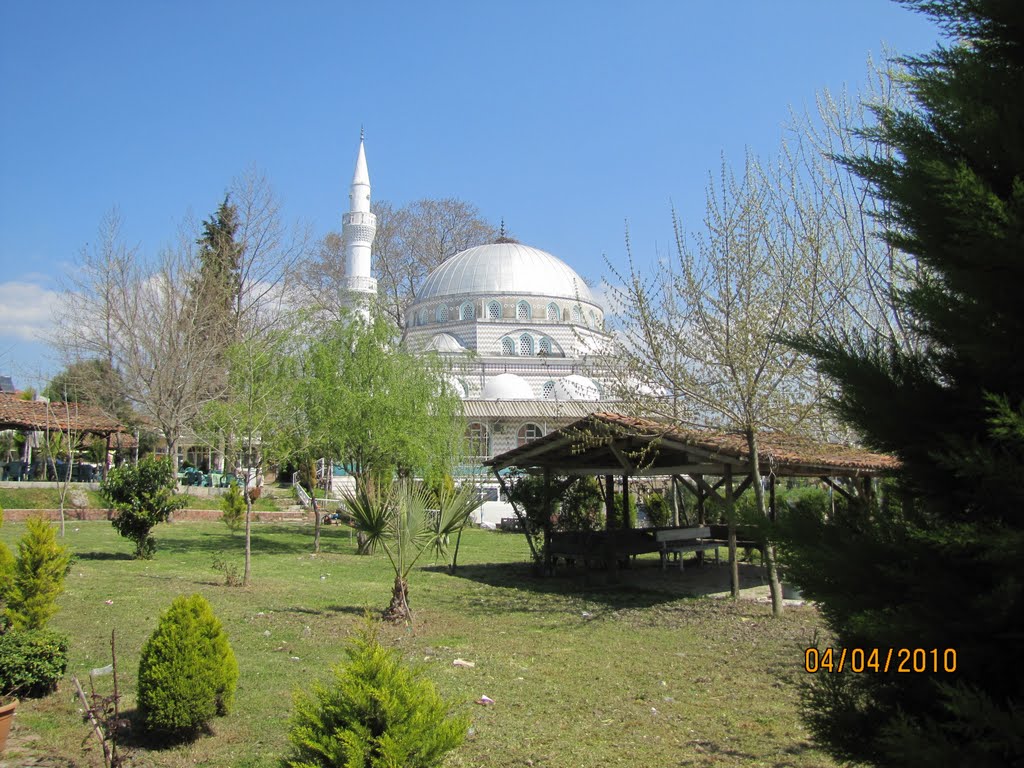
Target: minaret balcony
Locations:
point(359, 218)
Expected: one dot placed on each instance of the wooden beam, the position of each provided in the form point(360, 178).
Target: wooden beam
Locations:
point(623, 459)
point(837, 488)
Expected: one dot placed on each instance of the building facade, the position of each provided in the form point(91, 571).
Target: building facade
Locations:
point(523, 333)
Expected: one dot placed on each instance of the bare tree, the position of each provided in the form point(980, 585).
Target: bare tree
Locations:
point(700, 340)
point(864, 272)
point(146, 319)
point(409, 243)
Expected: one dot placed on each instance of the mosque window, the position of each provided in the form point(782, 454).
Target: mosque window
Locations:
point(552, 312)
point(477, 439)
point(423, 317)
point(544, 346)
point(508, 347)
point(523, 310)
point(528, 432)
point(494, 310)
point(525, 345)
point(467, 313)
point(577, 314)
point(593, 319)
point(442, 313)
point(549, 389)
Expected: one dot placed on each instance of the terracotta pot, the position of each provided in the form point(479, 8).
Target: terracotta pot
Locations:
point(6, 716)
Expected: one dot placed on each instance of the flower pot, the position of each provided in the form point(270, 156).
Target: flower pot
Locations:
point(6, 716)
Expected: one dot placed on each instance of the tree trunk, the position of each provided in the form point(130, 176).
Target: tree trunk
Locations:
point(769, 548)
point(730, 519)
point(247, 572)
point(399, 609)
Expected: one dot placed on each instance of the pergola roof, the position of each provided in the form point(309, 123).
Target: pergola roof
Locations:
point(40, 416)
point(611, 443)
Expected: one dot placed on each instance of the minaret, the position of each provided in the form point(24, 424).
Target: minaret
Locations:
point(358, 228)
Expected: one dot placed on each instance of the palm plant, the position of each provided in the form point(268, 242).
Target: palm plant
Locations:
point(400, 521)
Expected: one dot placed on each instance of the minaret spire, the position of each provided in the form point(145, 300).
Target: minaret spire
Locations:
point(359, 226)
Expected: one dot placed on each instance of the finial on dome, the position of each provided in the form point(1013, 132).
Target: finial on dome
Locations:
point(502, 237)
point(362, 133)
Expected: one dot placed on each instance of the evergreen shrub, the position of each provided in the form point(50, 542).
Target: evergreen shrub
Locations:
point(32, 661)
point(187, 672)
point(232, 507)
point(378, 712)
point(37, 578)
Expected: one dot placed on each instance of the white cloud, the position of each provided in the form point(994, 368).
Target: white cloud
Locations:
point(26, 310)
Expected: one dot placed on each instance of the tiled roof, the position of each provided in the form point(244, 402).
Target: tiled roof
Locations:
point(39, 415)
point(601, 441)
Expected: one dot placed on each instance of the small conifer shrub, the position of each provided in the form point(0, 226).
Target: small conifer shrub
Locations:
point(378, 712)
point(232, 507)
point(187, 672)
point(32, 586)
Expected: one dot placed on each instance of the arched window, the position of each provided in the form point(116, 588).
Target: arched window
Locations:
point(508, 347)
point(467, 312)
point(544, 346)
point(577, 314)
point(493, 310)
point(525, 345)
point(478, 441)
point(552, 312)
point(423, 317)
point(528, 432)
point(593, 319)
point(523, 310)
point(549, 389)
point(442, 313)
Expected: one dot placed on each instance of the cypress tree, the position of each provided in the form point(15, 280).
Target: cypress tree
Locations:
point(942, 568)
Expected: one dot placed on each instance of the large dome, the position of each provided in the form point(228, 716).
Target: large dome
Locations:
point(503, 269)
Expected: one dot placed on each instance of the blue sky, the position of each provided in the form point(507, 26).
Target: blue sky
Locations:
point(564, 118)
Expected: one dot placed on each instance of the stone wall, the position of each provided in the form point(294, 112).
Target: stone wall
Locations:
point(180, 516)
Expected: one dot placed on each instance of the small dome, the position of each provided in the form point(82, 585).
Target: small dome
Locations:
point(505, 269)
point(507, 386)
point(457, 386)
point(575, 387)
point(444, 342)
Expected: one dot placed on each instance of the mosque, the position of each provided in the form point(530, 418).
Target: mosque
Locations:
point(523, 332)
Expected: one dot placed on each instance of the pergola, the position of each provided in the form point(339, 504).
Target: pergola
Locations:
point(65, 418)
point(709, 464)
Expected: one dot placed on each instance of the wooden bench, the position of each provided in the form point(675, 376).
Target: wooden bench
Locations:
point(683, 540)
point(592, 546)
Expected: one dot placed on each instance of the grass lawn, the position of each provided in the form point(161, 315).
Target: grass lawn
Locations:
point(580, 675)
point(28, 497)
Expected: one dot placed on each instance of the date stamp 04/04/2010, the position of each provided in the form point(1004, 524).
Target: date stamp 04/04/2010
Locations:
point(901, 660)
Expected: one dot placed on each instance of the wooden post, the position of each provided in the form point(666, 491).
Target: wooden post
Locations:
point(625, 502)
point(730, 514)
point(701, 495)
point(609, 529)
point(548, 565)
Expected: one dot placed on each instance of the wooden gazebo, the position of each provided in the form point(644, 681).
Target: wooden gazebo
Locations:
point(709, 464)
point(55, 417)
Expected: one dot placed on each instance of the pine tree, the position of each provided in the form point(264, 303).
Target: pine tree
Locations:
point(941, 568)
point(219, 283)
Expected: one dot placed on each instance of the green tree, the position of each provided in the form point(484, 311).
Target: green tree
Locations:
point(942, 570)
point(377, 713)
point(249, 413)
point(142, 495)
point(93, 382)
point(34, 581)
point(359, 399)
